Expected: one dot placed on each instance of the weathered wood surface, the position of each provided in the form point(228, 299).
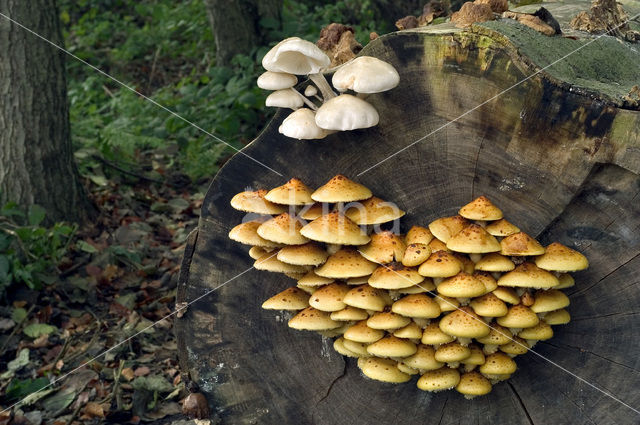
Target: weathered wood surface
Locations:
point(562, 164)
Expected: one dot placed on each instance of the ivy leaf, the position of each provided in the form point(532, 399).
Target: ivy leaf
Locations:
point(35, 330)
point(18, 314)
point(36, 214)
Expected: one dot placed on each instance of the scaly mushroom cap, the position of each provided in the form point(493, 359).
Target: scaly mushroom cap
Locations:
point(468, 266)
point(437, 245)
point(520, 244)
point(517, 346)
point(312, 279)
point(391, 346)
point(366, 298)
point(276, 80)
point(473, 239)
point(481, 208)
point(384, 370)
point(386, 320)
point(365, 74)
point(440, 264)
point(311, 212)
point(360, 280)
point(394, 276)
point(254, 201)
point(558, 317)
point(283, 229)
point(309, 254)
point(349, 314)
point(508, 295)
point(338, 345)
point(294, 55)
point(373, 211)
point(464, 323)
point(490, 284)
point(270, 263)
point(418, 234)
point(558, 257)
point(356, 347)
point(501, 228)
point(415, 254)
point(549, 300)
point(498, 335)
point(408, 370)
point(289, 299)
point(384, 247)
point(432, 335)
point(293, 192)
point(498, 364)
point(473, 384)
point(286, 98)
point(360, 332)
point(346, 112)
point(417, 305)
point(462, 285)
point(335, 228)
point(438, 380)
point(411, 331)
point(446, 227)
point(566, 281)
point(495, 262)
point(528, 275)
point(518, 316)
point(311, 319)
point(489, 306)
point(247, 233)
point(341, 189)
point(329, 298)
point(344, 264)
point(423, 359)
point(452, 352)
point(539, 332)
point(422, 287)
point(476, 357)
point(257, 251)
point(301, 125)
point(447, 303)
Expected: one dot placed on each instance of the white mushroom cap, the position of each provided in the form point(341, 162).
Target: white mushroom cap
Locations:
point(346, 112)
point(301, 124)
point(276, 80)
point(295, 56)
point(366, 74)
point(311, 90)
point(284, 99)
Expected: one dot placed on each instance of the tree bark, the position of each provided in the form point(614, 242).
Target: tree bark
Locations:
point(36, 160)
point(236, 25)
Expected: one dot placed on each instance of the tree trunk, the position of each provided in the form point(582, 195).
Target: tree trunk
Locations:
point(36, 160)
point(236, 25)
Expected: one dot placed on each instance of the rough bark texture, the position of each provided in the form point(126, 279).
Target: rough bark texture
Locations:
point(236, 25)
point(36, 161)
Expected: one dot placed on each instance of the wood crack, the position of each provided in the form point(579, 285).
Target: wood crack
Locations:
point(606, 276)
point(618, 314)
point(522, 405)
point(583, 350)
point(442, 411)
point(336, 379)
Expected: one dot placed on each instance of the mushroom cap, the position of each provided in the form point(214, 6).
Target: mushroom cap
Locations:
point(344, 264)
point(310, 90)
point(417, 305)
point(386, 320)
point(432, 335)
point(360, 332)
point(507, 294)
point(498, 364)
point(415, 254)
point(257, 251)
point(473, 239)
point(247, 233)
point(539, 332)
point(490, 284)
point(549, 300)
point(520, 244)
point(311, 319)
point(270, 263)
point(329, 297)
point(384, 370)
point(309, 254)
point(384, 247)
point(420, 288)
point(473, 384)
point(301, 125)
point(468, 266)
point(464, 322)
point(557, 317)
point(290, 299)
point(356, 347)
point(566, 281)
point(462, 285)
point(481, 208)
point(528, 275)
point(255, 202)
point(516, 346)
point(558, 257)
point(495, 262)
point(276, 80)
point(440, 264)
point(312, 279)
point(498, 335)
point(373, 211)
point(447, 303)
point(411, 331)
point(394, 276)
point(452, 352)
point(341, 189)
point(285, 98)
point(295, 275)
point(295, 56)
point(437, 245)
point(446, 227)
point(284, 229)
point(476, 357)
point(444, 378)
point(311, 212)
point(406, 369)
point(335, 228)
point(489, 306)
point(346, 112)
point(360, 280)
point(365, 74)
point(391, 346)
point(308, 289)
point(518, 316)
point(423, 359)
point(293, 192)
point(418, 234)
point(349, 314)
point(501, 228)
point(338, 345)
point(366, 298)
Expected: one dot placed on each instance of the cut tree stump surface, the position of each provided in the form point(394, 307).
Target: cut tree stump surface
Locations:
point(557, 153)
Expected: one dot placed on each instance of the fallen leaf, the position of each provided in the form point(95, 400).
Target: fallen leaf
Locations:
point(21, 360)
point(34, 330)
point(142, 371)
point(18, 314)
point(40, 341)
point(93, 410)
point(152, 383)
point(6, 324)
point(128, 374)
point(19, 304)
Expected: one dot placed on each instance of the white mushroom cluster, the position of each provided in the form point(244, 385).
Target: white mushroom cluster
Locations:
point(319, 111)
point(453, 302)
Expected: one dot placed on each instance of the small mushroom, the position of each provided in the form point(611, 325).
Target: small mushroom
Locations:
point(441, 379)
point(366, 298)
point(311, 319)
point(276, 80)
point(462, 285)
point(558, 257)
point(418, 234)
point(445, 228)
point(386, 320)
point(501, 228)
point(346, 112)
point(452, 353)
point(301, 124)
point(309, 254)
point(440, 264)
point(293, 192)
point(329, 298)
point(520, 244)
point(473, 239)
point(391, 346)
point(344, 264)
point(284, 229)
point(385, 370)
point(481, 208)
point(373, 211)
point(289, 299)
point(415, 254)
point(495, 262)
point(473, 384)
point(247, 233)
point(255, 202)
point(360, 332)
point(528, 275)
point(365, 74)
point(394, 276)
point(424, 359)
point(384, 247)
point(285, 98)
point(335, 228)
point(341, 189)
point(417, 306)
point(432, 335)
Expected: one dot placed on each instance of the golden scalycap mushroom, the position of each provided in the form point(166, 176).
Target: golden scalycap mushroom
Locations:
point(255, 202)
point(464, 323)
point(489, 306)
point(311, 319)
point(360, 332)
point(312, 279)
point(360, 280)
point(498, 335)
point(335, 228)
point(408, 370)
point(418, 234)
point(558, 257)
point(558, 317)
point(432, 335)
point(498, 364)
point(386, 320)
point(309, 254)
point(441, 379)
point(270, 263)
point(447, 303)
point(462, 285)
point(338, 345)
point(394, 276)
point(373, 211)
point(349, 313)
point(384, 370)
point(356, 347)
point(468, 266)
point(528, 275)
point(295, 275)
point(520, 244)
point(446, 227)
point(411, 331)
point(425, 286)
point(566, 281)
point(452, 353)
point(473, 239)
point(473, 384)
point(293, 192)
point(490, 284)
point(415, 254)
point(515, 347)
point(366, 298)
point(311, 212)
point(437, 245)
point(440, 264)
point(341, 189)
point(289, 299)
point(495, 262)
point(481, 208)
point(518, 316)
point(391, 346)
point(329, 298)
point(549, 300)
point(247, 233)
point(308, 289)
point(539, 332)
point(384, 247)
point(423, 359)
point(476, 358)
point(417, 305)
point(283, 229)
point(257, 251)
point(501, 228)
point(344, 264)
point(506, 294)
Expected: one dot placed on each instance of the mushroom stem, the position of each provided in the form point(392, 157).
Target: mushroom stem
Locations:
point(307, 102)
point(323, 85)
point(318, 98)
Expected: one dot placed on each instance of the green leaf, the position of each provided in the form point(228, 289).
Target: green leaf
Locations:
point(84, 246)
point(36, 214)
point(18, 389)
point(152, 383)
point(34, 330)
point(18, 314)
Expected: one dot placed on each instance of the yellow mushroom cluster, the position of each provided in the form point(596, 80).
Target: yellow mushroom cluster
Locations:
point(453, 302)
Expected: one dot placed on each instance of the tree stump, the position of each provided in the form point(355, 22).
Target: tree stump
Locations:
point(559, 153)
